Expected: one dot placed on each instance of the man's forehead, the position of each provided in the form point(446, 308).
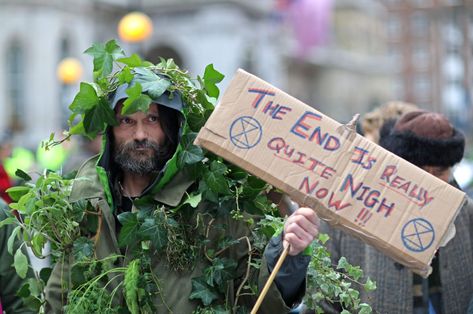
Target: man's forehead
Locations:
point(153, 108)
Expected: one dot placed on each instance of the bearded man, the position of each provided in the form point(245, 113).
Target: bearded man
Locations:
point(134, 167)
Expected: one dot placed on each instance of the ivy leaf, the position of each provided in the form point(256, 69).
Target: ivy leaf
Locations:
point(136, 101)
point(96, 118)
point(237, 173)
point(217, 183)
point(343, 263)
point(152, 84)
point(218, 167)
point(77, 128)
point(195, 120)
point(253, 187)
point(204, 100)
point(125, 76)
point(24, 291)
point(45, 273)
point(85, 99)
point(221, 270)
point(151, 231)
point(207, 193)
point(202, 291)
point(132, 61)
point(193, 200)
point(104, 55)
point(365, 309)
point(211, 78)
point(370, 285)
point(128, 233)
point(323, 238)
point(191, 153)
point(21, 263)
point(83, 249)
point(355, 272)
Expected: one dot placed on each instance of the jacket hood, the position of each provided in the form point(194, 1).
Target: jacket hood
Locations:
point(173, 101)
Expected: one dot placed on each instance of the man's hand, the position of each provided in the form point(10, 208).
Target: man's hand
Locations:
point(300, 230)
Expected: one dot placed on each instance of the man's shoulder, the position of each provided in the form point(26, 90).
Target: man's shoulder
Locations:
point(87, 183)
point(88, 167)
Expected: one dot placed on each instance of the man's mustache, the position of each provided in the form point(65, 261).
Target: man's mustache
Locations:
point(140, 145)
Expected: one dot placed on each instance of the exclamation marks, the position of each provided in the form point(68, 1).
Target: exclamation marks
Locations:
point(363, 217)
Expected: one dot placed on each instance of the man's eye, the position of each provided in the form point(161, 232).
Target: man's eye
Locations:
point(153, 118)
point(125, 120)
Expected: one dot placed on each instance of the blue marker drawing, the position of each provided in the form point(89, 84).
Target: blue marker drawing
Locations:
point(418, 235)
point(245, 132)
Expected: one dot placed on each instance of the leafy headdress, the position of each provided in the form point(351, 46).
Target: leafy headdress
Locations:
point(142, 83)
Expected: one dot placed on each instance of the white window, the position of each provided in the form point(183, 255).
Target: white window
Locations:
point(419, 25)
point(398, 88)
point(421, 56)
point(395, 56)
point(15, 82)
point(454, 97)
point(422, 87)
point(452, 36)
point(453, 68)
point(394, 27)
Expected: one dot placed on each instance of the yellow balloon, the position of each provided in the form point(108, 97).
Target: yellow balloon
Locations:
point(69, 71)
point(135, 27)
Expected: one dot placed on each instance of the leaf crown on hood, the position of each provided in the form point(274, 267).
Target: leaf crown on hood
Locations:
point(117, 76)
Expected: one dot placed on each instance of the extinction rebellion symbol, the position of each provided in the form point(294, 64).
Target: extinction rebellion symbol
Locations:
point(418, 235)
point(245, 132)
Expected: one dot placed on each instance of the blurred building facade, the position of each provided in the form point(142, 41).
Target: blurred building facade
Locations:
point(348, 73)
point(431, 45)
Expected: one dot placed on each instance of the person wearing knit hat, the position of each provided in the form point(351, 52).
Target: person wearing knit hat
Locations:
point(429, 141)
point(425, 139)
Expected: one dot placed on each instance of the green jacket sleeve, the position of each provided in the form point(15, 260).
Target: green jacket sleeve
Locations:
point(10, 282)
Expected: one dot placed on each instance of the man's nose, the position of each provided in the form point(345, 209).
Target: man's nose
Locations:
point(140, 132)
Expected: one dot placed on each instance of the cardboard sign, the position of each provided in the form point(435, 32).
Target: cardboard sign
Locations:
point(348, 180)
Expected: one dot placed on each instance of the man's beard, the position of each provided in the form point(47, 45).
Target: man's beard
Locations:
point(130, 159)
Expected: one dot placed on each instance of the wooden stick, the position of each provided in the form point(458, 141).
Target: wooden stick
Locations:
point(270, 280)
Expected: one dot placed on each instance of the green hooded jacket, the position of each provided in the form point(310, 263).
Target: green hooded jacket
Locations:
point(177, 285)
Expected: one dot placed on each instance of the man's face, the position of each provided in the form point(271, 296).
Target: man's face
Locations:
point(139, 141)
point(443, 173)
